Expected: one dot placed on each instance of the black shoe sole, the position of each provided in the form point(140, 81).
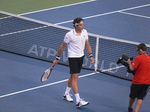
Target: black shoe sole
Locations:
point(82, 105)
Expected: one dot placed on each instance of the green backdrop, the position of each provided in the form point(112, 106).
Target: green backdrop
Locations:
point(24, 6)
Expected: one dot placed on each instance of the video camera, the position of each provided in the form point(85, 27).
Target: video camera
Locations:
point(123, 60)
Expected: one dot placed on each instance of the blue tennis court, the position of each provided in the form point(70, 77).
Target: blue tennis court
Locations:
point(21, 89)
point(128, 20)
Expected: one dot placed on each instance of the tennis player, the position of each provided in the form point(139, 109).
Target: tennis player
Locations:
point(76, 40)
point(141, 79)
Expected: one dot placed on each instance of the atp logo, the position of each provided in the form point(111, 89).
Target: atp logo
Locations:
point(50, 53)
point(41, 51)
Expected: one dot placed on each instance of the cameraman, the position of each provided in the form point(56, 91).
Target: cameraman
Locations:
point(141, 78)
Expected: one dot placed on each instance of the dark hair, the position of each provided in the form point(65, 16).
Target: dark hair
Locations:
point(141, 46)
point(77, 20)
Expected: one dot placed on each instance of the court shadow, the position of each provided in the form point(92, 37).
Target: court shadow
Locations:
point(85, 109)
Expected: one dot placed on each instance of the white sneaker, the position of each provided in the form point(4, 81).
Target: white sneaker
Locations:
point(81, 103)
point(68, 97)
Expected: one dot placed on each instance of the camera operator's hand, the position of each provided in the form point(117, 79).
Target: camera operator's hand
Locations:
point(130, 64)
point(129, 61)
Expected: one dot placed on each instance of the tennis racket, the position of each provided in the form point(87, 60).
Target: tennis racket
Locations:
point(46, 74)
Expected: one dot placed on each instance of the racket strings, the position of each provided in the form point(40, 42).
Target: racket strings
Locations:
point(46, 74)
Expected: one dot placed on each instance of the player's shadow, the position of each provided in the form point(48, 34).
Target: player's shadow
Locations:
point(85, 109)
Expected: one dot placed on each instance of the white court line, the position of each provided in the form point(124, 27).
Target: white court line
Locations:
point(38, 87)
point(135, 15)
point(88, 17)
point(21, 31)
point(141, 6)
point(103, 14)
point(59, 7)
point(110, 69)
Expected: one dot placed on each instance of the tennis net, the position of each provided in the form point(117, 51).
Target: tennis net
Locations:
point(41, 40)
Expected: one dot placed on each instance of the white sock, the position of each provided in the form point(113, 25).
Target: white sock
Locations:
point(67, 90)
point(77, 97)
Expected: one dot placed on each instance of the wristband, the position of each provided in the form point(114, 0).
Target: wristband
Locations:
point(90, 55)
point(57, 57)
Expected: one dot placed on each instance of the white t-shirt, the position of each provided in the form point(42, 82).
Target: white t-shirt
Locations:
point(76, 43)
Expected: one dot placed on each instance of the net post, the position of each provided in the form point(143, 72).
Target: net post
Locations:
point(96, 54)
